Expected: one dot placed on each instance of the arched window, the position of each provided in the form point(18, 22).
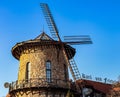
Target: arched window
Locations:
point(27, 76)
point(48, 71)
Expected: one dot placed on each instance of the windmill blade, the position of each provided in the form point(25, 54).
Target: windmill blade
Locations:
point(79, 42)
point(78, 36)
point(73, 40)
point(50, 21)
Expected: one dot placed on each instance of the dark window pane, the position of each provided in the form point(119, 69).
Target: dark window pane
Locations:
point(48, 71)
point(48, 65)
point(27, 71)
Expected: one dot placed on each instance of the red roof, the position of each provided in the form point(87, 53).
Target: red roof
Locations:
point(102, 87)
point(116, 89)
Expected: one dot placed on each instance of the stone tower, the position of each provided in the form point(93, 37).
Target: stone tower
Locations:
point(43, 69)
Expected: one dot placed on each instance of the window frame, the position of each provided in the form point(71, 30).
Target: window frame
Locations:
point(28, 71)
point(48, 71)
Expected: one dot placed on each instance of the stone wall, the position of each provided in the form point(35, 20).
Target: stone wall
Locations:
point(38, 56)
point(40, 94)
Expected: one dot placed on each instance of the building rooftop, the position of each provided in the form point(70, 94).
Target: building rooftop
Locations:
point(44, 36)
point(98, 86)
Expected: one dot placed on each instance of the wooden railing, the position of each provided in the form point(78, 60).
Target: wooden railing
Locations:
point(37, 83)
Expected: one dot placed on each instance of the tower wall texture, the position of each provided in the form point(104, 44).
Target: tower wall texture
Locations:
point(38, 56)
point(40, 94)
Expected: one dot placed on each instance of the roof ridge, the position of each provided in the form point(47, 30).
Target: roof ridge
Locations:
point(43, 36)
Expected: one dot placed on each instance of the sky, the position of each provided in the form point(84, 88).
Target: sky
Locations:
point(22, 20)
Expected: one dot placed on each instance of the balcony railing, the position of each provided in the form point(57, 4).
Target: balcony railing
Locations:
point(37, 83)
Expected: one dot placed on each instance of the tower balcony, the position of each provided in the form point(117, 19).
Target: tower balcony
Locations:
point(35, 83)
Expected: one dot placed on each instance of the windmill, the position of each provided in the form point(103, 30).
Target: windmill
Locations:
point(69, 40)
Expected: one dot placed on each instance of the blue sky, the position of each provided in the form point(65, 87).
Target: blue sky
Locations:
point(21, 20)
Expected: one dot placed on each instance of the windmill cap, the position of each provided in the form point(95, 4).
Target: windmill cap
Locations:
point(42, 40)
